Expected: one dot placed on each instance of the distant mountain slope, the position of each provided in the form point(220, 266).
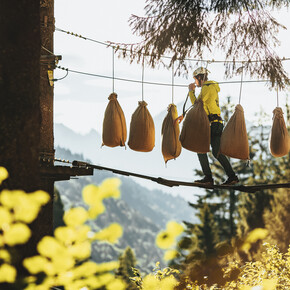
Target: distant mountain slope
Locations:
point(90, 145)
point(149, 163)
point(154, 204)
point(139, 232)
point(141, 212)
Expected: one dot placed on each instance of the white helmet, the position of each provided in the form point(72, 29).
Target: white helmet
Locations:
point(200, 71)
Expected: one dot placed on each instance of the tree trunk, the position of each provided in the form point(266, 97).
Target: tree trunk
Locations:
point(19, 92)
point(232, 211)
point(20, 116)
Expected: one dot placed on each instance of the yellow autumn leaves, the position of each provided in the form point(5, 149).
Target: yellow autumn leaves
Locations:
point(3, 174)
point(63, 258)
point(59, 256)
point(254, 236)
point(152, 282)
point(167, 239)
point(17, 209)
point(7, 273)
point(94, 195)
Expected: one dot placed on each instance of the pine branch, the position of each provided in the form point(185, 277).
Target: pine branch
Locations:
point(241, 29)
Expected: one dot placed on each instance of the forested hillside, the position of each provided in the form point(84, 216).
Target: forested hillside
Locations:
point(141, 212)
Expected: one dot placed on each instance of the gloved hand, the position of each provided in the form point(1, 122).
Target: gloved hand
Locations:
point(191, 87)
point(179, 119)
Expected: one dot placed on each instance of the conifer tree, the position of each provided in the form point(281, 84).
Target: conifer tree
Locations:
point(225, 208)
point(265, 169)
point(198, 250)
point(206, 232)
point(127, 262)
point(242, 30)
point(241, 212)
point(58, 210)
point(277, 220)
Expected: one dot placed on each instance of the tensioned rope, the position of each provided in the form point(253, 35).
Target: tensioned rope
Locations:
point(146, 82)
point(108, 44)
point(153, 83)
point(113, 69)
point(171, 183)
point(172, 84)
point(240, 96)
point(142, 80)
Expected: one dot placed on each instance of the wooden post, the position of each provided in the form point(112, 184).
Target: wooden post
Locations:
point(49, 172)
point(46, 72)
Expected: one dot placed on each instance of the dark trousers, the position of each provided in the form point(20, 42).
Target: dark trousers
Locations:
point(215, 132)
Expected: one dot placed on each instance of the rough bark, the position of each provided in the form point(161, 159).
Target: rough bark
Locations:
point(20, 116)
point(19, 92)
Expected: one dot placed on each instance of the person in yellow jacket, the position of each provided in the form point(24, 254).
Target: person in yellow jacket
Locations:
point(209, 96)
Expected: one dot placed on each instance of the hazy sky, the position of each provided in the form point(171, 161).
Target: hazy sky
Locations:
point(80, 101)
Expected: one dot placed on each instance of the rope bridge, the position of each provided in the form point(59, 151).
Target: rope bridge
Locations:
point(171, 183)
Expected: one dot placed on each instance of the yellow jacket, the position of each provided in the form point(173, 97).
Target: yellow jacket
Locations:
point(209, 96)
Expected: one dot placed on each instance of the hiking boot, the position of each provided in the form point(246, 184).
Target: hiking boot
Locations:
point(231, 180)
point(207, 180)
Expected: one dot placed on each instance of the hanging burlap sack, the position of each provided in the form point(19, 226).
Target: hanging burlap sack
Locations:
point(195, 132)
point(234, 139)
point(142, 130)
point(279, 136)
point(114, 124)
point(171, 146)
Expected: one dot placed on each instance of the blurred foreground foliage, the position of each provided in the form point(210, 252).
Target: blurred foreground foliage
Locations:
point(63, 260)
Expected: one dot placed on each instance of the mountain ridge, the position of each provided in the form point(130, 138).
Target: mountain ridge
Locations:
point(149, 163)
point(141, 212)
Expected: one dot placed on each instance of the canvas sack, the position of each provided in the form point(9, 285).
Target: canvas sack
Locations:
point(279, 136)
point(195, 132)
point(234, 139)
point(171, 146)
point(114, 124)
point(142, 129)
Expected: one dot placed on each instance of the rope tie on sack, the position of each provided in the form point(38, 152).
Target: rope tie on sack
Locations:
point(239, 108)
point(278, 113)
